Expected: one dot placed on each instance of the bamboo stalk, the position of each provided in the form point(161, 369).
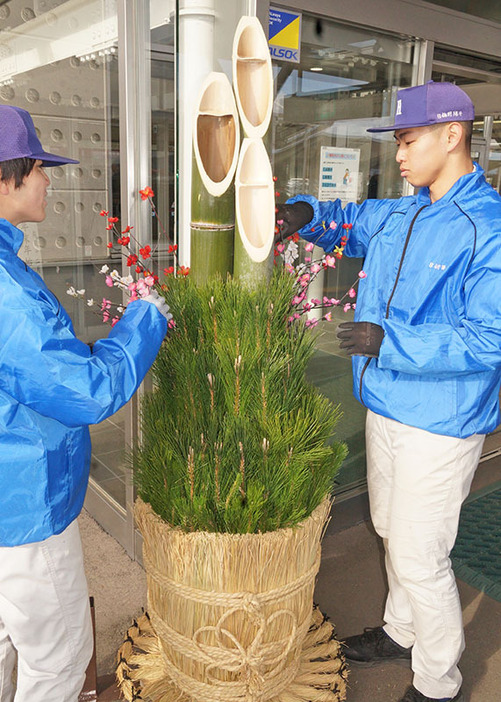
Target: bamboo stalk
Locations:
point(216, 139)
point(252, 77)
point(255, 213)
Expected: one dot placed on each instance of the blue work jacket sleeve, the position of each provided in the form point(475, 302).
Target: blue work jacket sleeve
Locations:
point(365, 220)
point(45, 367)
point(473, 344)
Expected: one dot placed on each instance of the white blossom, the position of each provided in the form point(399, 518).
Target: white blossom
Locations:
point(291, 252)
point(104, 269)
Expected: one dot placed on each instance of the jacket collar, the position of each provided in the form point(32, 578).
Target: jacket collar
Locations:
point(458, 190)
point(10, 236)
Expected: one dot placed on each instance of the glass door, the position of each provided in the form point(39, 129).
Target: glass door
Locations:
point(347, 76)
point(480, 77)
point(71, 64)
point(59, 60)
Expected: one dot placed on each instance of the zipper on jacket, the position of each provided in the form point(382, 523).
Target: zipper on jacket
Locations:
point(361, 379)
point(409, 232)
point(411, 227)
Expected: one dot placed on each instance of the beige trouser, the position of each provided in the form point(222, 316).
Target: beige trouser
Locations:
point(45, 618)
point(417, 482)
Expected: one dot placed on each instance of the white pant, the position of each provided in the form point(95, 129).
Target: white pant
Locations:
point(417, 482)
point(45, 617)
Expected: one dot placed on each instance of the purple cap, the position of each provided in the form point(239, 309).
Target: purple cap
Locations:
point(431, 103)
point(18, 138)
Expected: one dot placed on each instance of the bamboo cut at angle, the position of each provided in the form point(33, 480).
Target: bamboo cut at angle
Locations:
point(252, 77)
point(216, 139)
point(255, 213)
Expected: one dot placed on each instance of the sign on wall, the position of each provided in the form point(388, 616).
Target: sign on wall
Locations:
point(284, 35)
point(339, 174)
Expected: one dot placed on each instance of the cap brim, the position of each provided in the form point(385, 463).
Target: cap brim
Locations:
point(412, 125)
point(49, 159)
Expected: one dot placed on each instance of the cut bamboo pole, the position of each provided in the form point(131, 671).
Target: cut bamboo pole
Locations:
point(255, 213)
point(216, 139)
point(252, 77)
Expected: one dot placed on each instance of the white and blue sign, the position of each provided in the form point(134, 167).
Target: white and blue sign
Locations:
point(285, 35)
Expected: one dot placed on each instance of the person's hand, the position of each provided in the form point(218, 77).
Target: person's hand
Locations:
point(159, 303)
point(360, 338)
point(292, 218)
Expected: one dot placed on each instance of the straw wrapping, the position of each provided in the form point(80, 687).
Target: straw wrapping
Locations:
point(231, 611)
point(321, 677)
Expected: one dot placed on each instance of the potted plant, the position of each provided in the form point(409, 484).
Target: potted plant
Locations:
point(234, 476)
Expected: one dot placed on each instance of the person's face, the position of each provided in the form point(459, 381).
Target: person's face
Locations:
point(28, 202)
point(422, 154)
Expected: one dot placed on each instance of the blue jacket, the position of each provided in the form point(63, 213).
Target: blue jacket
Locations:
point(434, 284)
point(51, 387)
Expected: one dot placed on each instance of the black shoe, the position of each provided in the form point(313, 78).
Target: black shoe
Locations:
point(374, 646)
point(413, 695)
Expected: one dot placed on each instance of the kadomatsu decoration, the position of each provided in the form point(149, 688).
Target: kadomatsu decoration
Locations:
point(233, 475)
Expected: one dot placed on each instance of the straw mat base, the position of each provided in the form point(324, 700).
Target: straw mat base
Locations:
point(321, 677)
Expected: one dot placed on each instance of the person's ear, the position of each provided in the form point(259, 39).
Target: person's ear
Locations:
point(4, 187)
point(455, 132)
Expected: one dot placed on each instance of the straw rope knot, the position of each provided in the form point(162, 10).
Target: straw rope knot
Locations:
point(258, 663)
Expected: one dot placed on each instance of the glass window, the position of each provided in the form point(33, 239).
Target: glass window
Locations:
point(59, 60)
point(162, 23)
point(346, 81)
point(480, 77)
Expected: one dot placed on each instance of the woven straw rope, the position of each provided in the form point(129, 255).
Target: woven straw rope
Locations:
point(249, 662)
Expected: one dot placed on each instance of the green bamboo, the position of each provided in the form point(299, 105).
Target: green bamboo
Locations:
point(216, 142)
point(244, 268)
point(212, 231)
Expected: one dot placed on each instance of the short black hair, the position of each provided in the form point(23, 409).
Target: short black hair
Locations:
point(16, 169)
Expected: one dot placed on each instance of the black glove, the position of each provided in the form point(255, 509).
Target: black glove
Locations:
point(360, 338)
point(291, 218)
